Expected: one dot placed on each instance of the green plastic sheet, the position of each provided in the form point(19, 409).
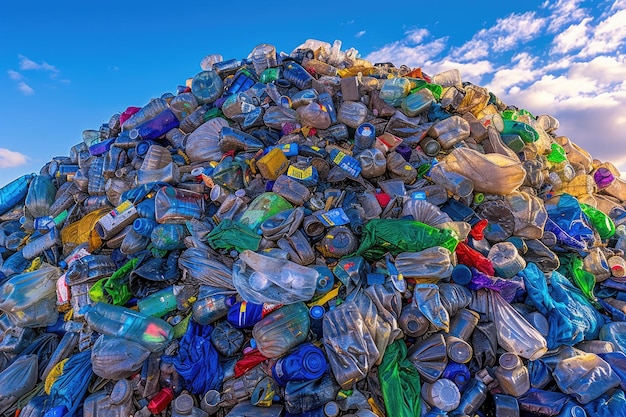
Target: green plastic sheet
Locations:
point(230, 234)
point(400, 382)
point(401, 235)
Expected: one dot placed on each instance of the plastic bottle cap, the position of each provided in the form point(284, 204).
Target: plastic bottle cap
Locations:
point(331, 409)
point(509, 360)
point(443, 394)
point(314, 362)
point(183, 403)
point(121, 392)
point(317, 312)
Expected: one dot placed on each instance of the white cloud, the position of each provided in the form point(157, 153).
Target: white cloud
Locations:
point(26, 89)
point(29, 64)
point(410, 50)
point(564, 12)
point(510, 32)
point(359, 34)
point(574, 37)
point(11, 159)
point(14, 75)
point(608, 35)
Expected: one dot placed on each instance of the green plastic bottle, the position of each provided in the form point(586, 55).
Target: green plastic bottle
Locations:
point(525, 131)
point(600, 222)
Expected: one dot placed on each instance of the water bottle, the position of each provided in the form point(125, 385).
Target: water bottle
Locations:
point(417, 102)
point(302, 396)
point(472, 398)
point(113, 223)
point(207, 86)
point(393, 90)
point(298, 76)
point(212, 304)
point(305, 363)
point(150, 110)
point(14, 192)
point(164, 301)
point(282, 329)
point(153, 333)
point(352, 113)
point(38, 245)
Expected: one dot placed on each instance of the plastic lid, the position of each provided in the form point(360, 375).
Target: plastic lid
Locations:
point(317, 312)
point(122, 390)
point(331, 409)
point(509, 360)
point(314, 362)
point(443, 394)
point(459, 350)
point(183, 404)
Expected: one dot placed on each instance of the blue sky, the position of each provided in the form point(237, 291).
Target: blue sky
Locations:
point(69, 66)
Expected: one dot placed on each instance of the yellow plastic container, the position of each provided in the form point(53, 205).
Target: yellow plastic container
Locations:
point(273, 164)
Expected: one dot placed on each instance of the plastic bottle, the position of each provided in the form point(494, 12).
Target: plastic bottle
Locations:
point(512, 375)
point(151, 332)
point(617, 265)
point(352, 113)
point(306, 362)
point(114, 222)
point(147, 112)
point(455, 183)
point(394, 90)
point(472, 398)
point(417, 102)
point(37, 246)
point(155, 127)
point(163, 301)
point(119, 403)
point(298, 76)
point(161, 400)
point(303, 396)
point(212, 304)
point(282, 329)
point(207, 86)
point(175, 205)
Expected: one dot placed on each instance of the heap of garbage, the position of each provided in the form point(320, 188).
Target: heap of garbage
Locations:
point(313, 234)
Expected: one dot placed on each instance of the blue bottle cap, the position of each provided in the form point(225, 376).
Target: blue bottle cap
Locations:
point(314, 362)
point(461, 274)
point(317, 312)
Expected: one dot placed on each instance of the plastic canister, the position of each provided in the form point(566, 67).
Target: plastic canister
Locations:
point(211, 401)
point(443, 394)
point(304, 363)
point(282, 330)
point(512, 375)
point(506, 260)
point(506, 405)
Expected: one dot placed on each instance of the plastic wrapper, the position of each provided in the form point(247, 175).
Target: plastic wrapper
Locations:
point(585, 376)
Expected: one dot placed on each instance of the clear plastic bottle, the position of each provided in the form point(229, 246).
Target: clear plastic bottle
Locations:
point(151, 332)
point(147, 112)
point(352, 113)
point(512, 375)
point(282, 330)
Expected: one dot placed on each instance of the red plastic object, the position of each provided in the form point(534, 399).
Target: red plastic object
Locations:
point(471, 257)
point(161, 400)
point(128, 113)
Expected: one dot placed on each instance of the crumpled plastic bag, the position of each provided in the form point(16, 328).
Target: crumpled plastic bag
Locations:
point(400, 382)
point(197, 361)
point(16, 380)
point(399, 235)
point(198, 265)
point(571, 316)
point(230, 234)
point(70, 388)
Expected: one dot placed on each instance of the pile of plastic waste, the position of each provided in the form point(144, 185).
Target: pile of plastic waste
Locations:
point(313, 234)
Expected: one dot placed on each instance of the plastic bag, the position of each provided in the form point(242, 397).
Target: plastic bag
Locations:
point(398, 235)
point(70, 388)
point(230, 234)
point(17, 379)
point(197, 361)
point(400, 382)
point(585, 376)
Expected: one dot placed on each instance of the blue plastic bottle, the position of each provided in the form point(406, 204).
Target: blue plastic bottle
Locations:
point(346, 162)
point(305, 363)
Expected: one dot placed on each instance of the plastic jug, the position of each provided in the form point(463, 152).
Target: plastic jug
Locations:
point(282, 329)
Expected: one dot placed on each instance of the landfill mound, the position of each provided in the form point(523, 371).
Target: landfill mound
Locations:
point(313, 234)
